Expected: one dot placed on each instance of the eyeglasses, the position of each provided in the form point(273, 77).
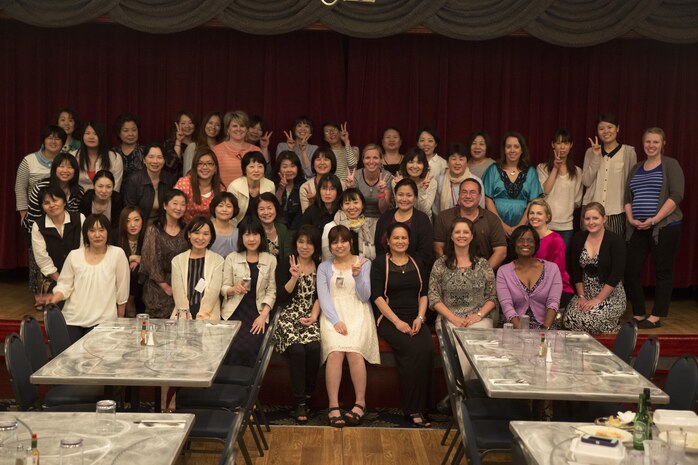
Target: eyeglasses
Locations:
point(53, 138)
point(330, 131)
point(207, 164)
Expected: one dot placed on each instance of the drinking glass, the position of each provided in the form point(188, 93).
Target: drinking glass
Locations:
point(577, 360)
point(508, 335)
point(106, 416)
point(525, 322)
point(183, 315)
point(560, 341)
point(676, 440)
point(71, 451)
point(634, 457)
point(143, 318)
point(656, 451)
point(8, 439)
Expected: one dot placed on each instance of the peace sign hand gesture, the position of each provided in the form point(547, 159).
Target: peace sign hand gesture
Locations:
point(303, 143)
point(344, 134)
point(309, 194)
point(356, 267)
point(382, 182)
point(397, 178)
point(290, 141)
point(350, 179)
point(282, 181)
point(426, 181)
point(295, 268)
point(595, 146)
point(264, 140)
point(179, 134)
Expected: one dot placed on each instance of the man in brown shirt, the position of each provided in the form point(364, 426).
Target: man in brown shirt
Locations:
point(490, 238)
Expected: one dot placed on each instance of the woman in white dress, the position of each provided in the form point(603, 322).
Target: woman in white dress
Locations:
point(347, 328)
point(94, 281)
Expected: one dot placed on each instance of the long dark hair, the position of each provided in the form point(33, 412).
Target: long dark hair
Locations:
point(562, 135)
point(201, 138)
point(74, 183)
point(216, 182)
point(333, 180)
point(102, 148)
point(524, 160)
point(122, 240)
point(450, 249)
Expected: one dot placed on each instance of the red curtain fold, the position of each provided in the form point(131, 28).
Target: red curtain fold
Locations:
point(406, 81)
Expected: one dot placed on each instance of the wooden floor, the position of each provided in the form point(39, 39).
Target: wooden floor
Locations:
point(291, 445)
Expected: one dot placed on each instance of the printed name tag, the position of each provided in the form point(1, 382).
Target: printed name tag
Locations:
point(201, 285)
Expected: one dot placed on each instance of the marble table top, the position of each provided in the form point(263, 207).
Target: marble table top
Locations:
point(548, 442)
point(514, 370)
point(110, 355)
point(125, 443)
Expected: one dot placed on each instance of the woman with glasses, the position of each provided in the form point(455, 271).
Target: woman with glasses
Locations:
point(201, 184)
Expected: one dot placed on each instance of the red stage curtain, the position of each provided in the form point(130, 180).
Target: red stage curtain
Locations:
point(406, 81)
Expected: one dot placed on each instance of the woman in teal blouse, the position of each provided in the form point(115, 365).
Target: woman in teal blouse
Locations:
point(511, 183)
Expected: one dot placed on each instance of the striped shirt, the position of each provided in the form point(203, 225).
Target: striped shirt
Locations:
point(646, 187)
point(32, 169)
point(196, 273)
point(34, 209)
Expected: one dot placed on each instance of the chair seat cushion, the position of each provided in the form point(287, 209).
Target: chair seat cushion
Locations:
point(492, 434)
point(498, 409)
point(210, 423)
point(67, 394)
point(235, 374)
point(229, 396)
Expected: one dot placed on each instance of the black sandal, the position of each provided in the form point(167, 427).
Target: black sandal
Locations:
point(354, 419)
point(338, 421)
point(422, 423)
point(300, 414)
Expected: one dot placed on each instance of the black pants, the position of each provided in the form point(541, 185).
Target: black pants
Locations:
point(414, 357)
point(77, 332)
point(664, 253)
point(303, 365)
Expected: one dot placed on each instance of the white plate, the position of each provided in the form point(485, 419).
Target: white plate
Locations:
point(607, 431)
point(691, 441)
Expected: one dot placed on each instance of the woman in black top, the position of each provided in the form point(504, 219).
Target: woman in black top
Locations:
point(326, 204)
point(103, 199)
point(146, 189)
point(399, 292)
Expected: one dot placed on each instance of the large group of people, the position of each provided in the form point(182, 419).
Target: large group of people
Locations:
point(347, 244)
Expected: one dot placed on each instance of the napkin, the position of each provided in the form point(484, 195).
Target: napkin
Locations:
point(509, 382)
point(577, 336)
point(492, 358)
point(161, 424)
point(626, 417)
point(480, 342)
point(623, 374)
point(602, 353)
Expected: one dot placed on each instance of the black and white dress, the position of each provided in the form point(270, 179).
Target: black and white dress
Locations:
point(603, 318)
point(289, 330)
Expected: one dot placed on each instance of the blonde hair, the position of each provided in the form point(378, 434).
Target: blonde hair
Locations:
point(239, 117)
point(543, 204)
point(372, 147)
point(659, 132)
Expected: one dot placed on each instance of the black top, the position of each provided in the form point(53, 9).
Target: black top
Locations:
point(138, 191)
point(59, 247)
point(316, 216)
point(403, 290)
point(117, 204)
point(421, 237)
point(611, 258)
point(283, 274)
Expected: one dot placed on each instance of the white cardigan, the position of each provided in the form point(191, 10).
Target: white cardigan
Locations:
point(241, 190)
point(236, 268)
point(210, 308)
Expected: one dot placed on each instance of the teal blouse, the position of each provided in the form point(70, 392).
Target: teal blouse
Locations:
point(510, 198)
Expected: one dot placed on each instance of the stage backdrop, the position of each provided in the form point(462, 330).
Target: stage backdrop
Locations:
point(406, 81)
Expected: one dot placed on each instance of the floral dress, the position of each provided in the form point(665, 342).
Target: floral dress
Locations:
point(289, 329)
point(602, 318)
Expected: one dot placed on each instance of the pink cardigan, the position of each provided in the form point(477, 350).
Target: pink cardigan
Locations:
point(552, 249)
point(515, 299)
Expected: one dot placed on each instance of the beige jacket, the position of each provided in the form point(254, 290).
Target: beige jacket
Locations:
point(236, 268)
point(240, 189)
point(210, 308)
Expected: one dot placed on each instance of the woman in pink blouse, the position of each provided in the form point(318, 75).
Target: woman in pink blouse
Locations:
point(201, 184)
point(234, 147)
point(552, 245)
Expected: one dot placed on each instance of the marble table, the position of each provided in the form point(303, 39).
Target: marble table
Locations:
point(547, 442)
point(110, 355)
point(514, 371)
point(128, 442)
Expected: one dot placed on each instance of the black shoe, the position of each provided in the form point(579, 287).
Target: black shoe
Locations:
point(647, 324)
point(300, 414)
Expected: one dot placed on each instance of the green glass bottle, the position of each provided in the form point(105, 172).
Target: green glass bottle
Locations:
point(641, 423)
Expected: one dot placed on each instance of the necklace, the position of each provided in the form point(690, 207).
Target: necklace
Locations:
point(401, 267)
point(512, 172)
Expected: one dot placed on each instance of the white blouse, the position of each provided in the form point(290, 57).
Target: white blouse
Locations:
point(92, 292)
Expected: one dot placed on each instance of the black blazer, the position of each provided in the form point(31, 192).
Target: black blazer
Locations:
point(611, 258)
point(138, 190)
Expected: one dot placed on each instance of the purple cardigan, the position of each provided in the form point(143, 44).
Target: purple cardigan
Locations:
point(515, 299)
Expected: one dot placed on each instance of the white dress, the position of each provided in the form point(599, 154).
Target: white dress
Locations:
point(361, 334)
